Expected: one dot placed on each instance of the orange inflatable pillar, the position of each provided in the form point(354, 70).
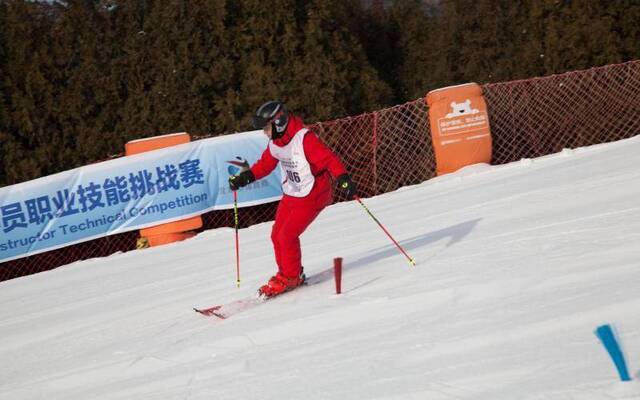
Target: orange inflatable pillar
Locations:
point(459, 127)
point(172, 231)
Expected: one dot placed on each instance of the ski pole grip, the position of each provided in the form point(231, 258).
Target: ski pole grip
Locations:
point(337, 273)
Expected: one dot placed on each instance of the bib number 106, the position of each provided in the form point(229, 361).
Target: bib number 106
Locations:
point(293, 176)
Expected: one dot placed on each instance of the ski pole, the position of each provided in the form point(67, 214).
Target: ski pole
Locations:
point(411, 261)
point(235, 217)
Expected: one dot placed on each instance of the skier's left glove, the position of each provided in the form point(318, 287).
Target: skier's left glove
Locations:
point(346, 185)
point(242, 179)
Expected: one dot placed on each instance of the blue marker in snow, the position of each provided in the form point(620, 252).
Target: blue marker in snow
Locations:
point(610, 342)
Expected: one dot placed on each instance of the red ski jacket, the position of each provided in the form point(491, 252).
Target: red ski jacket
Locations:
point(324, 162)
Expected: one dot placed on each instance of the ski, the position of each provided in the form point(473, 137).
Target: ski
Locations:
point(224, 311)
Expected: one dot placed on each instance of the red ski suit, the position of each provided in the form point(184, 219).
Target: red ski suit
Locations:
point(294, 214)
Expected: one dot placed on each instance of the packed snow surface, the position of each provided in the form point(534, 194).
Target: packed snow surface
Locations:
point(517, 265)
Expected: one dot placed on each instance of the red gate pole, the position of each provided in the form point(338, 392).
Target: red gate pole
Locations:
point(235, 217)
point(337, 273)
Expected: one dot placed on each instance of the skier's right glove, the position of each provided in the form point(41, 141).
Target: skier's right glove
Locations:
point(242, 179)
point(347, 186)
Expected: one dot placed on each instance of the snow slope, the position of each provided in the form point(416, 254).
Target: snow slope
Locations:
point(517, 265)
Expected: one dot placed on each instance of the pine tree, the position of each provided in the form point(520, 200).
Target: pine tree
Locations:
point(85, 106)
point(133, 68)
point(378, 34)
point(578, 35)
point(189, 65)
point(26, 96)
point(627, 15)
point(419, 51)
point(263, 40)
point(333, 69)
point(78, 78)
point(303, 53)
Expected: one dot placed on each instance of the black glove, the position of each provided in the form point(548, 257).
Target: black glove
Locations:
point(242, 179)
point(347, 186)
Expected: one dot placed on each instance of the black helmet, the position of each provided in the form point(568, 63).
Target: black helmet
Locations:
point(272, 112)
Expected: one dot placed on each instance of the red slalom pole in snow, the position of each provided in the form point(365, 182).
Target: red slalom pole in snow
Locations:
point(235, 217)
point(337, 273)
point(411, 261)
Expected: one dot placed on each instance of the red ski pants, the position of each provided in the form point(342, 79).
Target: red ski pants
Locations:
point(293, 216)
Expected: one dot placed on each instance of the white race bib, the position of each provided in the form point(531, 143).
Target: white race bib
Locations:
point(296, 171)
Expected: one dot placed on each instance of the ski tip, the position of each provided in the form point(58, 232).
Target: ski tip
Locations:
point(209, 311)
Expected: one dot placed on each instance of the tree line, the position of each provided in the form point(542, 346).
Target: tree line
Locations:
point(79, 78)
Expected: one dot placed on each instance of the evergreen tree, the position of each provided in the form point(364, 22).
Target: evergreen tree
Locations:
point(264, 41)
point(85, 106)
point(378, 34)
point(578, 35)
point(26, 97)
point(187, 62)
point(78, 78)
point(462, 41)
point(133, 67)
point(627, 13)
point(332, 77)
point(303, 52)
point(420, 61)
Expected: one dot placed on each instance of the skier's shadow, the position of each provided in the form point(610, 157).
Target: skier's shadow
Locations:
point(455, 233)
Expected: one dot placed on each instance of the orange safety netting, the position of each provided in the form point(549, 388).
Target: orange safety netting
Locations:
point(534, 117)
point(391, 148)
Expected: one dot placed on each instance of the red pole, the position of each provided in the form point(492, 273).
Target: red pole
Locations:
point(337, 273)
point(375, 153)
point(235, 217)
point(411, 260)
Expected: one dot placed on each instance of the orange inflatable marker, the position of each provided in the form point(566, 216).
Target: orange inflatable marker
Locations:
point(172, 231)
point(459, 127)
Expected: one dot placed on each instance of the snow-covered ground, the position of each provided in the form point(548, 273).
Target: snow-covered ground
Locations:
point(517, 266)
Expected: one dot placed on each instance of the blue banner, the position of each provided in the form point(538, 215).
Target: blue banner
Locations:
point(130, 193)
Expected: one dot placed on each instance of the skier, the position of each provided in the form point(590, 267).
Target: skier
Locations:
point(307, 165)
